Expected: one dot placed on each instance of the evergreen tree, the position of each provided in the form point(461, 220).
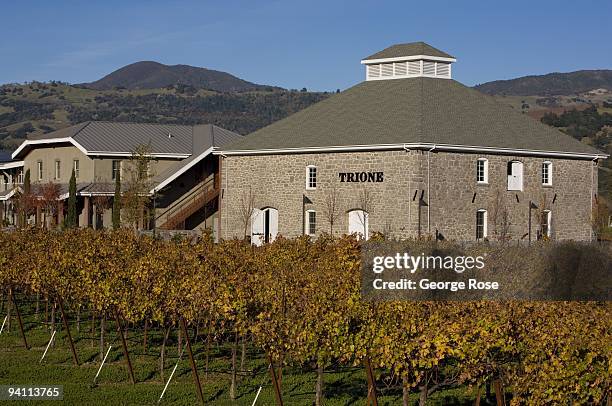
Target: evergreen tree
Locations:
point(26, 183)
point(117, 202)
point(25, 199)
point(71, 217)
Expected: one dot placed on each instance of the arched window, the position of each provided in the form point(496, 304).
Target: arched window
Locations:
point(311, 222)
point(481, 224)
point(358, 223)
point(545, 224)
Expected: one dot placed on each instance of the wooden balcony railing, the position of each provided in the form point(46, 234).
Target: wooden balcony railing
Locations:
point(190, 204)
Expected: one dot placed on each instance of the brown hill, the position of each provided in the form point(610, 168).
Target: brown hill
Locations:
point(154, 75)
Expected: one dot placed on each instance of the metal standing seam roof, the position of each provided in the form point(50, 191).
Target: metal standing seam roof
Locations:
point(409, 49)
point(412, 110)
point(99, 137)
point(110, 137)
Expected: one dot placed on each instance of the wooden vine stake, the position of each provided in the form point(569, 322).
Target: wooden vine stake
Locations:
point(275, 383)
point(372, 400)
point(23, 336)
point(499, 393)
point(125, 349)
point(194, 369)
point(75, 358)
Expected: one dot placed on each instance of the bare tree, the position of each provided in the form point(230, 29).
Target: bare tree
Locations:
point(246, 208)
point(49, 201)
point(364, 204)
point(600, 218)
point(544, 231)
point(138, 185)
point(501, 218)
point(331, 209)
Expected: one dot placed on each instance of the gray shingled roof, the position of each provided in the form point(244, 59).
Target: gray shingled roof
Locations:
point(102, 136)
point(415, 110)
point(409, 49)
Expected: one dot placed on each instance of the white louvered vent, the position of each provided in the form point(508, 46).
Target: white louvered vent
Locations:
point(400, 69)
point(414, 67)
point(387, 69)
point(413, 64)
point(373, 71)
point(443, 69)
point(429, 68)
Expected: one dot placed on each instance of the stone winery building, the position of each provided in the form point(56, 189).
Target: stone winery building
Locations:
point(408, 152)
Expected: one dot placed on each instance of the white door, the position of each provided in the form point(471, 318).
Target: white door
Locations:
point(515, 177)
point(358, 223)
point(264, 225)
point(257, 227)
point(272, 224)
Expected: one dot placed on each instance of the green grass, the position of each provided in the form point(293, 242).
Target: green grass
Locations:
point(18, 366)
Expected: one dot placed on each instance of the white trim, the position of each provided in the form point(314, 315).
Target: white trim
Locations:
point(485, 171)
point(48, 141)
point(89, 194)
point(182, 170)
point(130, 154)
point(408, 58)
point(549, 164)
point(307, 221)
point(308, 187)
point(548, 222)
point(10, 165)
point(89, 153)
point(9, 194)
point(420, 75)
point(408, 146)
point(485, 219)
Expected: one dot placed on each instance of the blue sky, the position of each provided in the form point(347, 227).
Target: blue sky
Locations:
point(294, 44)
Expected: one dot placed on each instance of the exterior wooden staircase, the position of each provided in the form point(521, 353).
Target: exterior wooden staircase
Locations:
point(190, 204)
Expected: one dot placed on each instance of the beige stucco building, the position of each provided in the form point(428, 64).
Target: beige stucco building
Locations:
point(181, 181)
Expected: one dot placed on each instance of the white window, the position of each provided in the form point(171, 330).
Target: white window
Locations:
point(311, 222)
point(481, 224)
point(547, 173)
point(482, 170)
point(57, 170)
point(311, 177)
point(39, 165)
point(358, 223)
point(20, 177)
point(75, 167)
point(515, 175)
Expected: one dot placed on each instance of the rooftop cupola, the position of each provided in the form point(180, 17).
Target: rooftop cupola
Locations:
point(416, 59)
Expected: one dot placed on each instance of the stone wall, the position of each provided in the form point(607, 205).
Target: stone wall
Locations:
point(279, 181)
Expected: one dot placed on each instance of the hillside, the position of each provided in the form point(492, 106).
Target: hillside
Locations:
point(35, 108)
point(552, 84)
point(154, 75)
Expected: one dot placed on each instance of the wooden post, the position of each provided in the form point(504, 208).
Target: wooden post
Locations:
point(75, 358)
point(25, 341)
point(125, 349)
point(499, 393)
point(277, 390)
point(371, 383)
point(194, 369)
